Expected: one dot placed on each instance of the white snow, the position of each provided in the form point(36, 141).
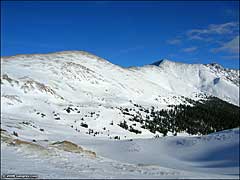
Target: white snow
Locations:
point(212, 156)
point(49, 83)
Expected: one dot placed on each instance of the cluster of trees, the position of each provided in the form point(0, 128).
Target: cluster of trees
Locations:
point(84, 125)
point(124, 125)
point(202, 117)
point(131, 129)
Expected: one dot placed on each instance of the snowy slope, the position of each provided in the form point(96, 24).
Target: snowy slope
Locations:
point(94, 79)
point(49, 83)
point(217, 153)
point(47, 98)
point(215, 156)
point(211, 79)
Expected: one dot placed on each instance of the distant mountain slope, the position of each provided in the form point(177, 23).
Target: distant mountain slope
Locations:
point(91, 95)
point(210, 78)
point(71, 73)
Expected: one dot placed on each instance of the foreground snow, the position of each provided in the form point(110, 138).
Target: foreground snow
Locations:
point(212, 156)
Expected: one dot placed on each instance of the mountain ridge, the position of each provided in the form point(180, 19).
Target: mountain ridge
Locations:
point(83, 70)
point(89, 54)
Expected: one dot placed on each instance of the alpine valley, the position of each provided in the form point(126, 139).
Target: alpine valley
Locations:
point(72, 114)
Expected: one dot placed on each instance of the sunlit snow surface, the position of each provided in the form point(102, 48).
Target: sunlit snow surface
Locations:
point(36, 84)
point(212, 156)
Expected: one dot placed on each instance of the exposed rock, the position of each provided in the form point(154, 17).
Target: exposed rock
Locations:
point(72, 147)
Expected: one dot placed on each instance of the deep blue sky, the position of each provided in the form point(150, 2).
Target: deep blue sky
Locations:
point(125, 33)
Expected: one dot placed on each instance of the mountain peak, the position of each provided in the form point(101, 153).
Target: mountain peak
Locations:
point(72, 53)
point(171, 62)
point(216, 65)
point(162, 61)
point(52, 53)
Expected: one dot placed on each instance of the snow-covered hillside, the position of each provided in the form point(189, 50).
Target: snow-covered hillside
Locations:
point(63, 100)
point(76, 76)
point(85, 84)
point(215, 156)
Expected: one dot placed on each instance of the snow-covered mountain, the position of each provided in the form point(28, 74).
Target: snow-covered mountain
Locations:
point(52, 100)
point(77, 76)
point(84, 84)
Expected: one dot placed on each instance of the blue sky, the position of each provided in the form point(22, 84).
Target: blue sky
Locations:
point(125, 33)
